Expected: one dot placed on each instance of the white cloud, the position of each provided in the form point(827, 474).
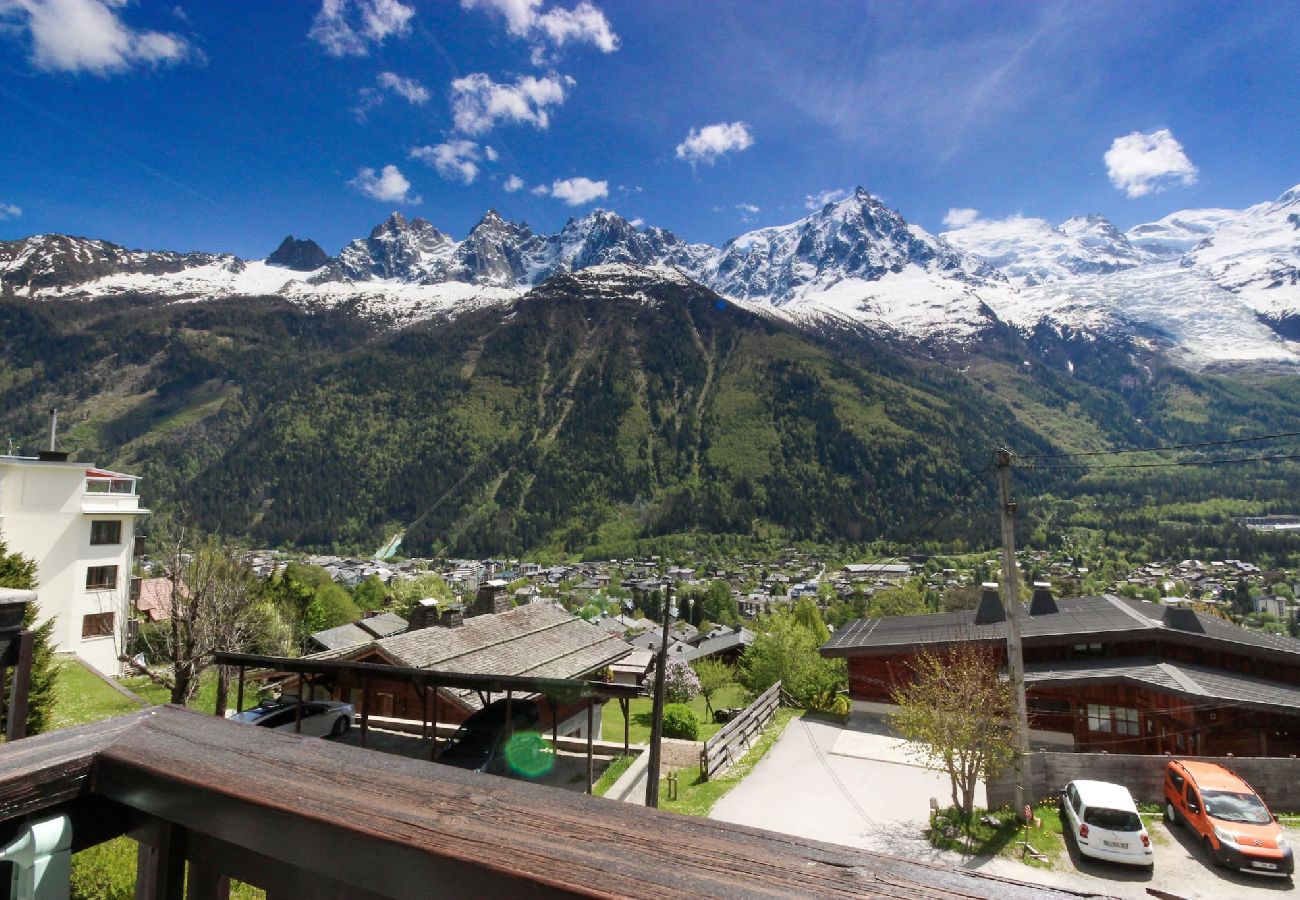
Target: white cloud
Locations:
point(512, 184)
point(456, 160)
point(817, 201)
point(708, 143)
point(541, 190)
point(389, 186)
point(554, 28)
point(961, 217)
point(637, 223)
point(349, 27)
point(478, 102)
point(490, 153)
point(89, 36)
point(749, 208)
point(1141, 164)
point(408, 89)
point(9, 211)
point(578, 191)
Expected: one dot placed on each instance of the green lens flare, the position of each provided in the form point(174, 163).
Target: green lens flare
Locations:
point(529, 754)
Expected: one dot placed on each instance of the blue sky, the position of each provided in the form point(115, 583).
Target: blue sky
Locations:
point(226, 125)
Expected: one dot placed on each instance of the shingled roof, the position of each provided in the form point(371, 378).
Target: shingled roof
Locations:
point(1090, 618)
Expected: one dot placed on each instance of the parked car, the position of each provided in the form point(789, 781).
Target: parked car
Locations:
point(480, 742)
point(320, 718)
point(1233, 823)
point(1104, 821)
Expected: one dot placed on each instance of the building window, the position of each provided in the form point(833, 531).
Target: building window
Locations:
point(1098, 718)
point(97, 625)
point(110, 486)
point(1116, 719)
point(100, 578)
point(106, 532)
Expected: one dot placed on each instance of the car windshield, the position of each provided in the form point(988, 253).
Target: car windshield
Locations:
point(1112, 819)
point(1234, 807)
point(470, 743)
point(252, 715)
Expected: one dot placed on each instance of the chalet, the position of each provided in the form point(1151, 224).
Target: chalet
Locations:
point(539, 640)
point(1107, 673)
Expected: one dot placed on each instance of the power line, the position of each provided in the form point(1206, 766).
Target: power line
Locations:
point(1226, 460)
point(1194, 446)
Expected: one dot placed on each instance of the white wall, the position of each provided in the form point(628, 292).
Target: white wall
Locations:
point(46, 514)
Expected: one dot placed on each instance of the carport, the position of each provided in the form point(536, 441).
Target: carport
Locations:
point(311, 673)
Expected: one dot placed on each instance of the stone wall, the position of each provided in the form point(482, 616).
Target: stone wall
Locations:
point(1276, 779)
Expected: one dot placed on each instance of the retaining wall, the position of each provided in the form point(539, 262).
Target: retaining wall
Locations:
point(1276, 779)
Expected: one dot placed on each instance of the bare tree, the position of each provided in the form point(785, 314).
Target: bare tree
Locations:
point(957, 714)
point(213, 608)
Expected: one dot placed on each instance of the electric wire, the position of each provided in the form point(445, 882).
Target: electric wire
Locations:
point(1218, 461)
point(1193, 446)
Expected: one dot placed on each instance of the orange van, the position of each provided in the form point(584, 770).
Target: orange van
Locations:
point(1234, 825)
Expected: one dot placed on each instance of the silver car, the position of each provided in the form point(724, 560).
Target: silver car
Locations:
point(320, 718)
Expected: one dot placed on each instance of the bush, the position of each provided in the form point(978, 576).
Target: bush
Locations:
point(680, 721)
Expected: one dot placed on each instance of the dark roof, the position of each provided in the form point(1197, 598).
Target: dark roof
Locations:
point(384, 624)
point(341, 637)
point(1077, 617)
point(1173, 678)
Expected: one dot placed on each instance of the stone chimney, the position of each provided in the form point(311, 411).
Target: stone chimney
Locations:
point(452, 617)
point(424, 615)
point(1042, 604)
point(493, 597)
point(990, 609)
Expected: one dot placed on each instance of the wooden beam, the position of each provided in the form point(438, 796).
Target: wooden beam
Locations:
point(365, 707)
point(19, 686)
point(160, 862)
point(239, 696)
point(591, 705)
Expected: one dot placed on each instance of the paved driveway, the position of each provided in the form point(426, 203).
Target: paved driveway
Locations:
point(809, 786)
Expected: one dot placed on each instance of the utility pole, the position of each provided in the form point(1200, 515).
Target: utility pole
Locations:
point(657, 728)
point(1015, 650)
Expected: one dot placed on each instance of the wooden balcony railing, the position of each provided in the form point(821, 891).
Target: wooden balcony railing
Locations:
point(211, 799)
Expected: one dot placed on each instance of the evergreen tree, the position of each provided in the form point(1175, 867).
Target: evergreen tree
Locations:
point(17, 571)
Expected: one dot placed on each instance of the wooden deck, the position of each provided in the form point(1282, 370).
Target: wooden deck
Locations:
point(305, 817)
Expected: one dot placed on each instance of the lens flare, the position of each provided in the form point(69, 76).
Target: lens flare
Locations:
point(529, 754)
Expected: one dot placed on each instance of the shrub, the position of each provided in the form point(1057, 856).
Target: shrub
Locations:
point(680, 721)
point(680, 682)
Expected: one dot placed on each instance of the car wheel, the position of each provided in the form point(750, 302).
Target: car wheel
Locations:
point(341, 727)
point(1171, 814)
point(1209, 851)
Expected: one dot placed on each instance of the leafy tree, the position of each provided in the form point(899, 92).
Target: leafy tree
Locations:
point(807, 615)
point(713, 675)
point(905, 600)
point(370, 593)
point(786, 651)
point(680, 682)
point(330, 607)
point(19, 572)
point(718, 605)
point(957, 714)
point(407, 593)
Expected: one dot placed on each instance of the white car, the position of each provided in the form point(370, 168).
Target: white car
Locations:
point(1104, 821)
point(320, 718)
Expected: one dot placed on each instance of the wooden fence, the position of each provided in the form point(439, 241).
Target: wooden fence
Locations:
point(734, 738)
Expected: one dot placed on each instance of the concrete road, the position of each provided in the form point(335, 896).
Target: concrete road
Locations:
point(877, 800)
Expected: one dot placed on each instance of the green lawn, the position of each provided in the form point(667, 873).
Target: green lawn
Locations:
point(612, 774)
point(81, 697)
point(696, 797)
point(611, 728)
point(1006, 838)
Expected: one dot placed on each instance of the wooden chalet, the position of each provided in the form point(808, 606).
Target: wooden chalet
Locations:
point(540, 640)
point(1107, 673)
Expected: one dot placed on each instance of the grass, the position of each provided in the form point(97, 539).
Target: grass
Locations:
point(612, 774)
point(611, 728)
point(82, 697)
point(1004, 839)
point(696, 797)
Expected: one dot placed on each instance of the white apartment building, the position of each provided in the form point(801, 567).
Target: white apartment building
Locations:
point(78, 523)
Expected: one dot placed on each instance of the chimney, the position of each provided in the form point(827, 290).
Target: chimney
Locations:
point(452, 617)
point(1183, 619)
point(492, 598)
point(424, 615)
point(1042, 604)
point(52, 455)
point(990, 609)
